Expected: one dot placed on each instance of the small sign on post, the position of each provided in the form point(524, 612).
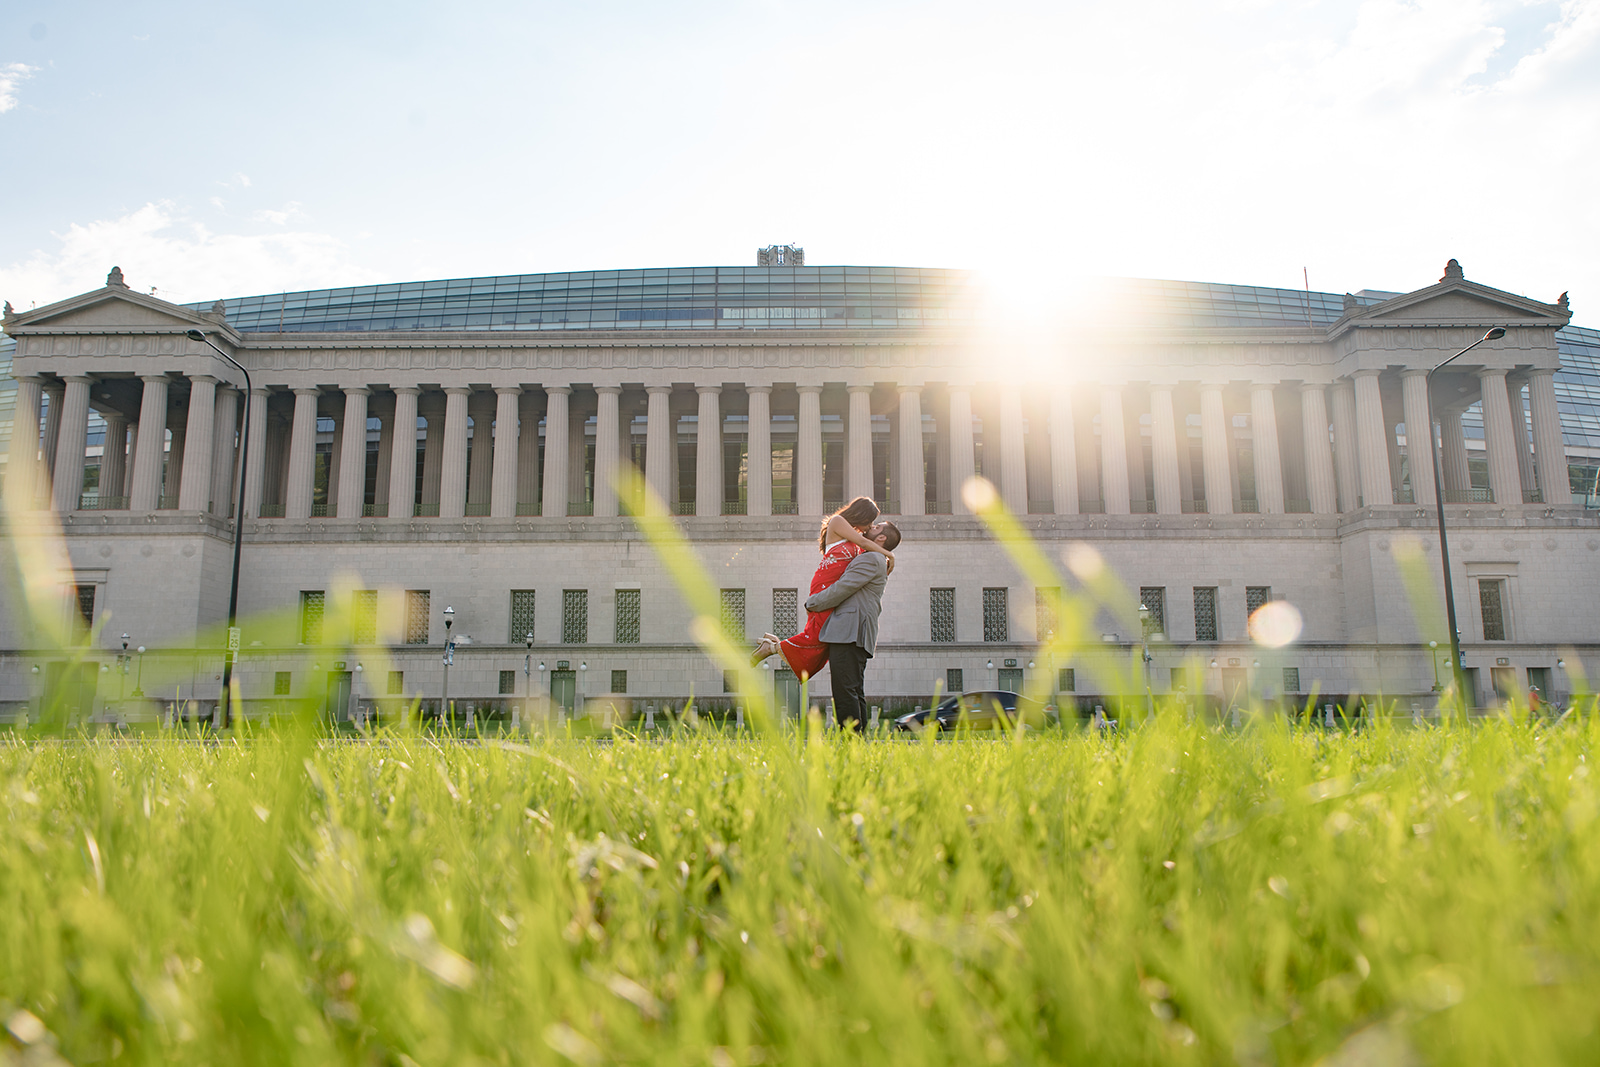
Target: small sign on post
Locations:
point(233, 644)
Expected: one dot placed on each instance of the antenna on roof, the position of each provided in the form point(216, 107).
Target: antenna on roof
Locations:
point(1306, 274)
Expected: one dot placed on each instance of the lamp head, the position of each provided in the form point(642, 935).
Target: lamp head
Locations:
point(1433, 644)
point(990, 665)
point(1495, 334)
point(359, 668)
point(141, 650)
point(583, 666)
point(1213, 663)
point(194, 335)
point(449, 618)
point(530, 640)
point(124, 642)
point(541, 665)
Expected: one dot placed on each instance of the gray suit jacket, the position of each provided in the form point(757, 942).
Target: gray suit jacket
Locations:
point(856, 599)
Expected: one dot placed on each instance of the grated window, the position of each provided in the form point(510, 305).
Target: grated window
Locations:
point(417, 616)
point(1255, 596)
point(312, 602)
point(1205, 613)
point(1046, 601)
point(1154, 601)
point(508, 683)
point(1067, 680)
point(627, 625)
point(575, 616)
point(1291, 679)
point(733, 614)
point(280, 683)
point(785, 612)
point(364, 617)
point(397, 682)
point(996, 617)
point(942, 612)
point(1491, 599)
point(522, 604)
point(954, 680)
point(619, 681)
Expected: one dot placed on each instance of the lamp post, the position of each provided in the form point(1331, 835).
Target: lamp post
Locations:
point(577, 698)
point(122, 665)
point(527, 674)
point(238, 530)
point(138, 683)
point(449, 658)
point(1433, 650)
point(1444, 546)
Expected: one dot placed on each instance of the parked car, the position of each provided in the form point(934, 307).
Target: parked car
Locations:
point(987, 709)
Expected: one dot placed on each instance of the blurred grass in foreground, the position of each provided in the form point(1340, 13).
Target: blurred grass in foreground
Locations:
point(1174, 894)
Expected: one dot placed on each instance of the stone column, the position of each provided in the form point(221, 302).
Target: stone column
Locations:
point(480, 452)
point(1164, 452)
point(1063, 453)
point(113, 457)
point(194, 484)
point(403, 460)
point(133, 450)
point(578, 453)
point(808, 452)
point(178, 436)
point(758, 465)
point(255, 471)
point(1550, 452)
point(912, 486)
point(1113, 451)
point(1453, 455)
point(352, 459)
point(224, 448)
point(659, 441)
point(1214, 451)
point(606, 429)
point(54, 392)
point(1372, 448)
point(962, 460)
point(381, 408)
point(334, 409)
point(1013, 456)
point(1519, 429)
point(73, 432)
point(1419, 434)
point(431, 406)
point(708, 453)
point(453, 461)
point(528, 450)
point(858, 464)
point(302, 456)
point(1321, 485)
point(1264, 447)
point(22, 467)
point(1500, 440)
point(556, 442)
point(151, 445)
point(1346, 453)
point(503, 491)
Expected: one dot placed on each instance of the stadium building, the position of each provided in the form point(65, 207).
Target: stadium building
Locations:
point(455, 443)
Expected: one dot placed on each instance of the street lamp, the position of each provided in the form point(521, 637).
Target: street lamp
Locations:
point(577, 699)
point(449, 658)
point(122, 665)
point(138, 683)
point(238, 528)
point(527, 673)
point(1433, 650)
point(1438, 494)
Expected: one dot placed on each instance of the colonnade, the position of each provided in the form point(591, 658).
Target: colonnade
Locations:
point(529, 450)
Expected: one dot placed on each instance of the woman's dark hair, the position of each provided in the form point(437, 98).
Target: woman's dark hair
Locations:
point(860, 513)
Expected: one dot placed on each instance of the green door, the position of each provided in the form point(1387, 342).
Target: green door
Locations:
point(1011, 679)
point(786, 693)
point(564, 690)
point(337, 707)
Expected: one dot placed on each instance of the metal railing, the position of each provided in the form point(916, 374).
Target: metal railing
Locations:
point(1091, 507)
point(1041, 507)
point(683, 507)
point(1469, 496)
point(167, 503)
point(1404, 495)
point(370, 511)
point(96, 502)
point(785, 507)
point(1193, 507)
point(579, 510)
point(1532, 496)
point(319, 511)
point(524, 510)
point(1246, 507)
point(426, 511)
point(1297, 507)
point(272, 511)
point(939, 507)
point(477, 510)
point(735, 507)
point(1141, 507)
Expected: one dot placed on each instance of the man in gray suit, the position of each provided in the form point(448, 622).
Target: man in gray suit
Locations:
point(851, 632)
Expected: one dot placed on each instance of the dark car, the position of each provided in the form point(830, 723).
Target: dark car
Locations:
point(988, 709)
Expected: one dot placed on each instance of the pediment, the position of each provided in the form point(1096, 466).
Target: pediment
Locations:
point(112, 308)
point(1458, 302)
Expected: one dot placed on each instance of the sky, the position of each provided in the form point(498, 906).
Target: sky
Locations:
point(220, 149)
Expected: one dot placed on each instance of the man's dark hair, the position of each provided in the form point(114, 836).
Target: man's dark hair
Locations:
point(891, 536)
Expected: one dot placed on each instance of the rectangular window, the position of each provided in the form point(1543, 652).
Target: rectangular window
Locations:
point(86, 606)
point(364, 617)
point(417, 616)
point(1255, 596)
point(785, 612)
point(996, 617)
point(575, 616)
point(280, 683)
point(942, 612)
point(1067, 680)
point(953, 681)
point(733, 614)
point(312, 602)
point(522, 601)
point(1046, 602)
point(627, 625)
point(1205, 613)
point(730, 681)
point(1178, 679)
point(1491, 599)
point(1291, 679)
point(397, 682)
point(1153, 616)
point(508, 682)
point(619, 681)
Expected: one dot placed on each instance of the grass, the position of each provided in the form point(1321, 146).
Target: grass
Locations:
point(1177, 894)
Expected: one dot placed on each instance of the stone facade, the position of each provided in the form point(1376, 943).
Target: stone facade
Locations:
point(1221, 459)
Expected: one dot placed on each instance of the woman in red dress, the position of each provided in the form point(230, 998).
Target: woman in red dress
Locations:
point(842, 539)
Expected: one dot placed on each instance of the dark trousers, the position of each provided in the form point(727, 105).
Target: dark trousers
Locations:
point(849, 666)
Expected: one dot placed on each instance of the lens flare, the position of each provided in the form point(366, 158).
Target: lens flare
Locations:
point(1275, 624)
point(1084, 562)
point(978, 494)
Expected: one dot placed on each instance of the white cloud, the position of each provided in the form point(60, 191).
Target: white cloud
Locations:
point(158, 245)
point(12, 75)
point(291, 210)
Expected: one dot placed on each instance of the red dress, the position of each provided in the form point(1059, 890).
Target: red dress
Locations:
point(805, 652)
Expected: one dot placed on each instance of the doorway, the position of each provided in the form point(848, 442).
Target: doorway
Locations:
point(337, 705)
point(1235, 687)
point(786, 693)
point(564, 690)
point(1011, 679)
point(1504, 680)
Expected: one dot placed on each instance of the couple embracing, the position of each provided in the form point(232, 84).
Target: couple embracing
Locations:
point(845, 598)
